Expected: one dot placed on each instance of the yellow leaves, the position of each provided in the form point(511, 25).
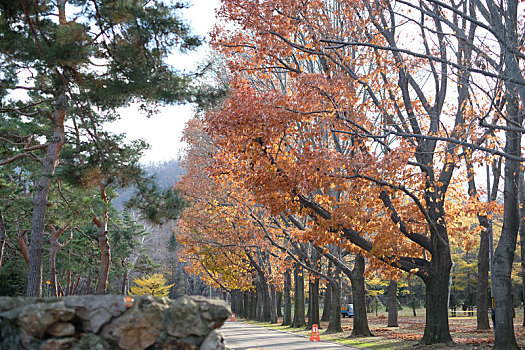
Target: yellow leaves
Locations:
point(151, 284)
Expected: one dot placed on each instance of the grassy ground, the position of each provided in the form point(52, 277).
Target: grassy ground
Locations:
point(409, 332)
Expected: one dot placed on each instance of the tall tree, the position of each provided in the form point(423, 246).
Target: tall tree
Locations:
point(374, 127)
point(76, 65)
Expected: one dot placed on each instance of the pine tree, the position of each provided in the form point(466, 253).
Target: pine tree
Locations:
point(66, 70)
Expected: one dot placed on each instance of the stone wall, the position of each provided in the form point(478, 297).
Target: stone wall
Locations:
point(109, 322)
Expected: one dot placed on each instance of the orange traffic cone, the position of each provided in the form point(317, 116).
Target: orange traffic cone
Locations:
point(233, 317)
point(315, 333)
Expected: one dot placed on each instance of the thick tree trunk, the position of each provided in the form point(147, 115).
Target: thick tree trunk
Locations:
point(246, 303)
point(279, 303)
point(359, 293)
point(436, 327)
point(482, 298)
point(236, 302)
point(482, 301)
point(334, 324)
point(3, 237)
point(266, 302)
point(313, 308)
point(522, 234)
point(253, 306)
point(259, 314)
point(504, 253)
point(287, 317)
point(272, 304)
point(392, 304)
point(313, 292)
point(299, 320)
point(40, 194)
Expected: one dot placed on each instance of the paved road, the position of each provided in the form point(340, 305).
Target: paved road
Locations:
point(244, 336)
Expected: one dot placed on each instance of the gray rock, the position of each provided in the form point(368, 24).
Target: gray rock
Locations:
point(184, 319)
point(214, 341)
point(58, 344)
point(61, 329)
point(36, 318)
point(140, 326)
point(90, 341)
point(7, 303)
point(9, 335)
point(213, 310)
point(96, 310)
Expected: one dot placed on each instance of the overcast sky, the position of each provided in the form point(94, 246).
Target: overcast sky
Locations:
point(164, 130)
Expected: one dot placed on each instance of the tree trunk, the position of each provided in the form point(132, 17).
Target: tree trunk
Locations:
point(41, 192)
point(359, 293)
point(125, 279)
point(436, 327)
point(279, 303)
point(482, 299)
point(273, 304)
point(313, 304)
point(53, 250)
point(260, 302)
point(299, 320)
point(3, 237)
point(247, 305)
point(52, 270)
point(74, 291)
point(287, 317)
point(266, 313)
point(235, 302)
point(105, 264)
point(327, 305)
point(392, 304)
point(253, 306)
point(334, 325)
point(522, 235)
point(504, 253)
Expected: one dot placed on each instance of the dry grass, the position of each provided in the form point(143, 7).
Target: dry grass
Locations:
point(410, 331)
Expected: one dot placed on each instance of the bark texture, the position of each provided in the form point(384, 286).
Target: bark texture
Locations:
point(40, 195)
point(392, 304)
point(436, 327)
point(504, 253)
point(334, 324)
point(299, 320)
point(287, 316)
point(105, 255)
point(279, 303)
point(361, 328)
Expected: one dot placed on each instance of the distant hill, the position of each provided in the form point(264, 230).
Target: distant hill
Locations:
point(166, 172)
